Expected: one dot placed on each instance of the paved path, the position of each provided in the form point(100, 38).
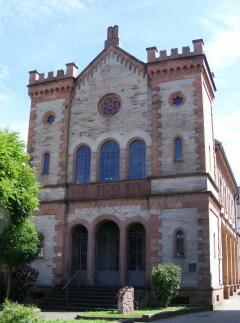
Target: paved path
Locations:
point(59, 315)
point(227, 312)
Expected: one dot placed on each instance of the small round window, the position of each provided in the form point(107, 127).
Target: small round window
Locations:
point(49, 117)
point(177, 99)
point(109, 105)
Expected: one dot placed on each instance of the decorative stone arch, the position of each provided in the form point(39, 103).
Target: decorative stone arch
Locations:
point(137, 134)
point(69, 233)
point(96, 223)
point(137, 257)
point(108, 136)
point(83, 141)
point(79, 250)
point(106, 233)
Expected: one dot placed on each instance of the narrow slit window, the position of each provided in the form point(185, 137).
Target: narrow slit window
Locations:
point(178, 149)
point(46, 160)
point(179, 243)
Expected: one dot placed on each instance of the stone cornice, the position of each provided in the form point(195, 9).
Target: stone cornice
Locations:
point(170, 69)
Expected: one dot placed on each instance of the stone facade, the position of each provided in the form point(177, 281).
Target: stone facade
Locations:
point(182, 210)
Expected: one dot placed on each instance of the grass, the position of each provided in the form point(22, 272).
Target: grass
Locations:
point(74, 321)
point(136, 313)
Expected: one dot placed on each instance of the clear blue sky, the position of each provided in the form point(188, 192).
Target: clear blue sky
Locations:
point(47, 34)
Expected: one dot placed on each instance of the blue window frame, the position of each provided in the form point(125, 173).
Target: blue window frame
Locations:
point(83, 163)
point(109, 162)
point(137, 159)
point(178, 149)
point(46, 159)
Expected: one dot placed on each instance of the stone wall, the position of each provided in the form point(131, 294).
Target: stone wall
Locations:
point(177, 121)
point(48, 139)
point(133, 121)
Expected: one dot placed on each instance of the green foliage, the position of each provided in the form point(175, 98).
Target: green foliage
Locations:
point(16, 313)
point(18, 186)
point(19, 243)
point(166, 280)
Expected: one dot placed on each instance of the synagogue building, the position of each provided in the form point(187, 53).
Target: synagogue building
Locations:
point(131, 173)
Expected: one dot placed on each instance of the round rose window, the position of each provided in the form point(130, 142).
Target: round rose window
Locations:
point(109, 105)
point(177, 99)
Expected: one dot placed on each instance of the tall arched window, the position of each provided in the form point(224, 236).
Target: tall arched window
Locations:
point(137, 159)
point(46, 160)
point(178, 149)
point(179, 243)
point(83, 163)
point(109, 162)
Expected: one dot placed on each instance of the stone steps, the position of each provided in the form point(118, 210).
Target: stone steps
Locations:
point(81, 298)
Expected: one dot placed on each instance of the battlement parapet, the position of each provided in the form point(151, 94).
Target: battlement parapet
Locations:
point(152, 52)
point(37, 78)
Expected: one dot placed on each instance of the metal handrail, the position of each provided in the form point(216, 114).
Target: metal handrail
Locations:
point(70, 279)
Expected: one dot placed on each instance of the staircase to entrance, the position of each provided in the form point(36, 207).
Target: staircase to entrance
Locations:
point(81, 298)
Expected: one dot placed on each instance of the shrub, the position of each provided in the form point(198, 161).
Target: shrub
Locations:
point(166, 280)
point(14, 312)
point(23, 278)
point(2, 286)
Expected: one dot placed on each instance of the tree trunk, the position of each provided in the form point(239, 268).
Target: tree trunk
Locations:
point(8, 282)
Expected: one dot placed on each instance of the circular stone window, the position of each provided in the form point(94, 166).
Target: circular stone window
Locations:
point(109, 105)
point(48, 117)
point(176, 99)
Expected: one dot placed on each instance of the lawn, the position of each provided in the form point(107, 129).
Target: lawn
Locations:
point(75, 321)
point(136, 313)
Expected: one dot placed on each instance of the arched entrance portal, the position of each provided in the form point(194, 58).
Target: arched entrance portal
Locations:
point(107, 254)
point(79, 254)
point(136, 255)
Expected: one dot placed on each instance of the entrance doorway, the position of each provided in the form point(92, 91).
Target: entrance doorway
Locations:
point(107, 254)
point(79, 255)
point(136, 255)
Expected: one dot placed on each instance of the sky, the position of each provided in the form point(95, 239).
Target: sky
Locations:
point(44, 35)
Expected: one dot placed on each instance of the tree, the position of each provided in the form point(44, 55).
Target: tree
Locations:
point(18, 186)
point(166, 281)
point(19, 240)
point(19, 244)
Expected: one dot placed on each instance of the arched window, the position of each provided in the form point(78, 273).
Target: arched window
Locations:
point(178, 149)
point(137, 159)
point(83, 162)
point(179, 243)
point(109, 162)
point(46, 160)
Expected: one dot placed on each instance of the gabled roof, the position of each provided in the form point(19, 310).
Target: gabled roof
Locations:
point(124, 58)
point(112, 48)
